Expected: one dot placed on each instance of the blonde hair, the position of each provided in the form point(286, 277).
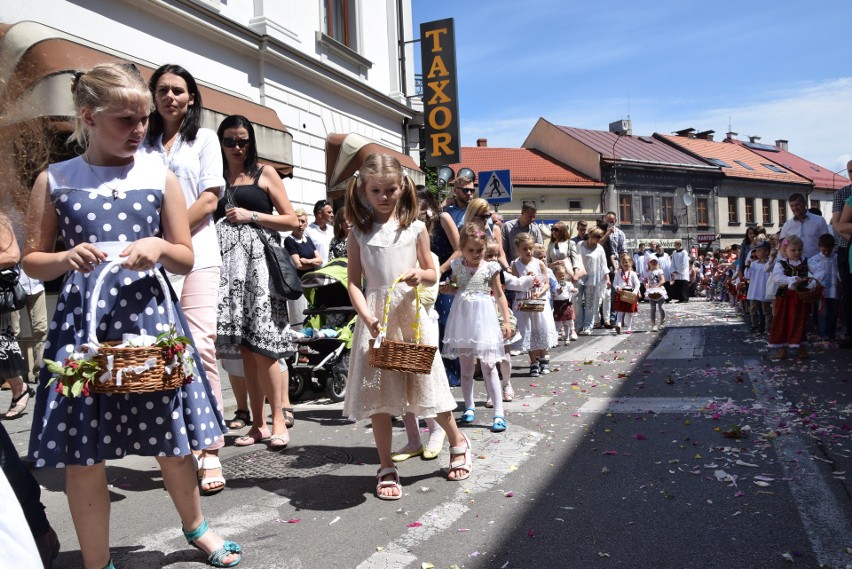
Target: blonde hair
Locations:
point(380, 167)
point(107, 87)
point(596, 232)
point(539, 249)
point(474, 207)
point(300, 213)
point(523, 238)
point(627, 256)
point(471, 231)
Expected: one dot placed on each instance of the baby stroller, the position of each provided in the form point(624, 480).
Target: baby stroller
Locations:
point(321, 360)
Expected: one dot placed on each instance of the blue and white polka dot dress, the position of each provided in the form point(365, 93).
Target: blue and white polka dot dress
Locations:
point(88, 430)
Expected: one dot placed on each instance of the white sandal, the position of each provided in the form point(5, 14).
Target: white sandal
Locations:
point(465, 464)
point(393, 483)
point(210, 462)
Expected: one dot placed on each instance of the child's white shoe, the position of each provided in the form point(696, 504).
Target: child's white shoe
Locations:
point(573, 334)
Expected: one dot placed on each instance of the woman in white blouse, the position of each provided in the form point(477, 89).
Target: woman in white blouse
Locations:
point(194, 155)
point(595, 281)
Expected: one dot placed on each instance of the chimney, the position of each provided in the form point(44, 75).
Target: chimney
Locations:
point(686, 132)
point(705, 134)
point(781, 143)
point(730, 135)
point(482, 142)
point(754, 139)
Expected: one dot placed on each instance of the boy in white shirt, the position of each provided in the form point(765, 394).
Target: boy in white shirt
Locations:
point(757, 275)
point(823, 267)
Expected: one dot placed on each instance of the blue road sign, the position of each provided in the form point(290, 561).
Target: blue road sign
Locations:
point(495, 186)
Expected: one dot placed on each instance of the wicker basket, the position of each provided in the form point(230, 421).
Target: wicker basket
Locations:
point(531, 305)
point(408, 357)
point(627, 296)
point(811, 294)
point(121, 377)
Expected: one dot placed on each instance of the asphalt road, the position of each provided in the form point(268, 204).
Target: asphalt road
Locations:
point(621, 457)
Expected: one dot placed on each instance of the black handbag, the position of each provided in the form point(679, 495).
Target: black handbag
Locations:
point(282, 272)
point(13, 297)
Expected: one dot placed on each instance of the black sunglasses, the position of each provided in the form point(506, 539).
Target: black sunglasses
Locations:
point(468, 190)
point(232, 142)
point(484, 216)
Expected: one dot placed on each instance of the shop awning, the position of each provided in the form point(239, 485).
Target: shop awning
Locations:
point(37, 64)
point(344, 154)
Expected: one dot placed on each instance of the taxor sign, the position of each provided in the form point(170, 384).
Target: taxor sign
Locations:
point(440, 92)
point(706, 237)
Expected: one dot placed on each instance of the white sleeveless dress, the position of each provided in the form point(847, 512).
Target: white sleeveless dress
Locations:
point(386, 252)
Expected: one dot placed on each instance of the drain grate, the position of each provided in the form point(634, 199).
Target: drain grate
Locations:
point(303, 462)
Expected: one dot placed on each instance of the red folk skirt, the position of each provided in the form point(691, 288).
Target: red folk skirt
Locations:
point(789, 318)
point(624, 307)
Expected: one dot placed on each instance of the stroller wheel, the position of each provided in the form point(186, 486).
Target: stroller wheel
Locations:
point(335, 386)
point(296, 386)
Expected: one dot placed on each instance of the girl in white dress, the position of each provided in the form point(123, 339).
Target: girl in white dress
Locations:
point(388, 241)
point(536, 336)
point(473, 330)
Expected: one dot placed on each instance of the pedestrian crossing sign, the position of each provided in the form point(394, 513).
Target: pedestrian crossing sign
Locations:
point(495, 186)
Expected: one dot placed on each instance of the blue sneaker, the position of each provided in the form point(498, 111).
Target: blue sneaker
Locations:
point(499, 424)
point(468, 416)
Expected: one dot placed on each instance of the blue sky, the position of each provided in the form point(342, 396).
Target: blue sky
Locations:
point(776, 69)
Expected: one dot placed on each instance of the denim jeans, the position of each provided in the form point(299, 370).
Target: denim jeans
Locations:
point(24, 484)
point(587, 303)
point(828, 318)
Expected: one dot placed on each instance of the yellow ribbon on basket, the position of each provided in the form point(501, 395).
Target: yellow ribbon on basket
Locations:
point(386, 311)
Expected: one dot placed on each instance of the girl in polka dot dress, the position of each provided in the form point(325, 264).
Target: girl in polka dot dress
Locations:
point(109, 204)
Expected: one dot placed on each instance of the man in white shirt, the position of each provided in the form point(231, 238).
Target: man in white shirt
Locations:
point(321, 231)
point(805, 225)
point(680, 272)
point(665, 264)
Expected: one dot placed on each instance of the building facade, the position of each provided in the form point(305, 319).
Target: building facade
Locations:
point(317, 65)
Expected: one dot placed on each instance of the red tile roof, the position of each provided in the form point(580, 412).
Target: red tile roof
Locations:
point(736, 161)
point(822, 178)
point(644, 149)
point(528, 167)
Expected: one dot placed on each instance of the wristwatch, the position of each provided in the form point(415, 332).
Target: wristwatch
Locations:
point(254, 217)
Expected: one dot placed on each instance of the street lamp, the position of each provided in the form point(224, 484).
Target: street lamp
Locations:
point(687, 201)
point(445, 174)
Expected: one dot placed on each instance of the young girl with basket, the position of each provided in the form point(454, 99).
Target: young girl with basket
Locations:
point(385, 244)
point(655, 290)
point(473, 331)
point(536, 336)
point(123, 219)
point(626, 285)
point(793, 300)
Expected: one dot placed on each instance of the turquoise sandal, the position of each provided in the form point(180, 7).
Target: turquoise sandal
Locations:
point(468, 416)
point(110, 565)
point(215, 558)
point(499, 424)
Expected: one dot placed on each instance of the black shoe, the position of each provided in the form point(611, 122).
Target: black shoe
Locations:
point(48, 548)
point(845, 344)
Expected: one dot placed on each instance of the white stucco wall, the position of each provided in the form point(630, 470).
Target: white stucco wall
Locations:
point(315, 92)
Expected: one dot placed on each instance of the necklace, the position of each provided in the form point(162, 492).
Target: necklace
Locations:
point(113, 189)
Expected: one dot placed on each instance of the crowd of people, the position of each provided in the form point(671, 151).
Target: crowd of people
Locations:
point(154, 194)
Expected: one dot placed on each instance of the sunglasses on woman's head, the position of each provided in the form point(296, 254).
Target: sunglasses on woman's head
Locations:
point(232, 142)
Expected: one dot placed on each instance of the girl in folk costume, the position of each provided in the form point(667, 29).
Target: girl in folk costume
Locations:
point(385, 244)
point(626, 280)
point(473, 331)
point(563, 304)
point(790, 313)
point(536, 336)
